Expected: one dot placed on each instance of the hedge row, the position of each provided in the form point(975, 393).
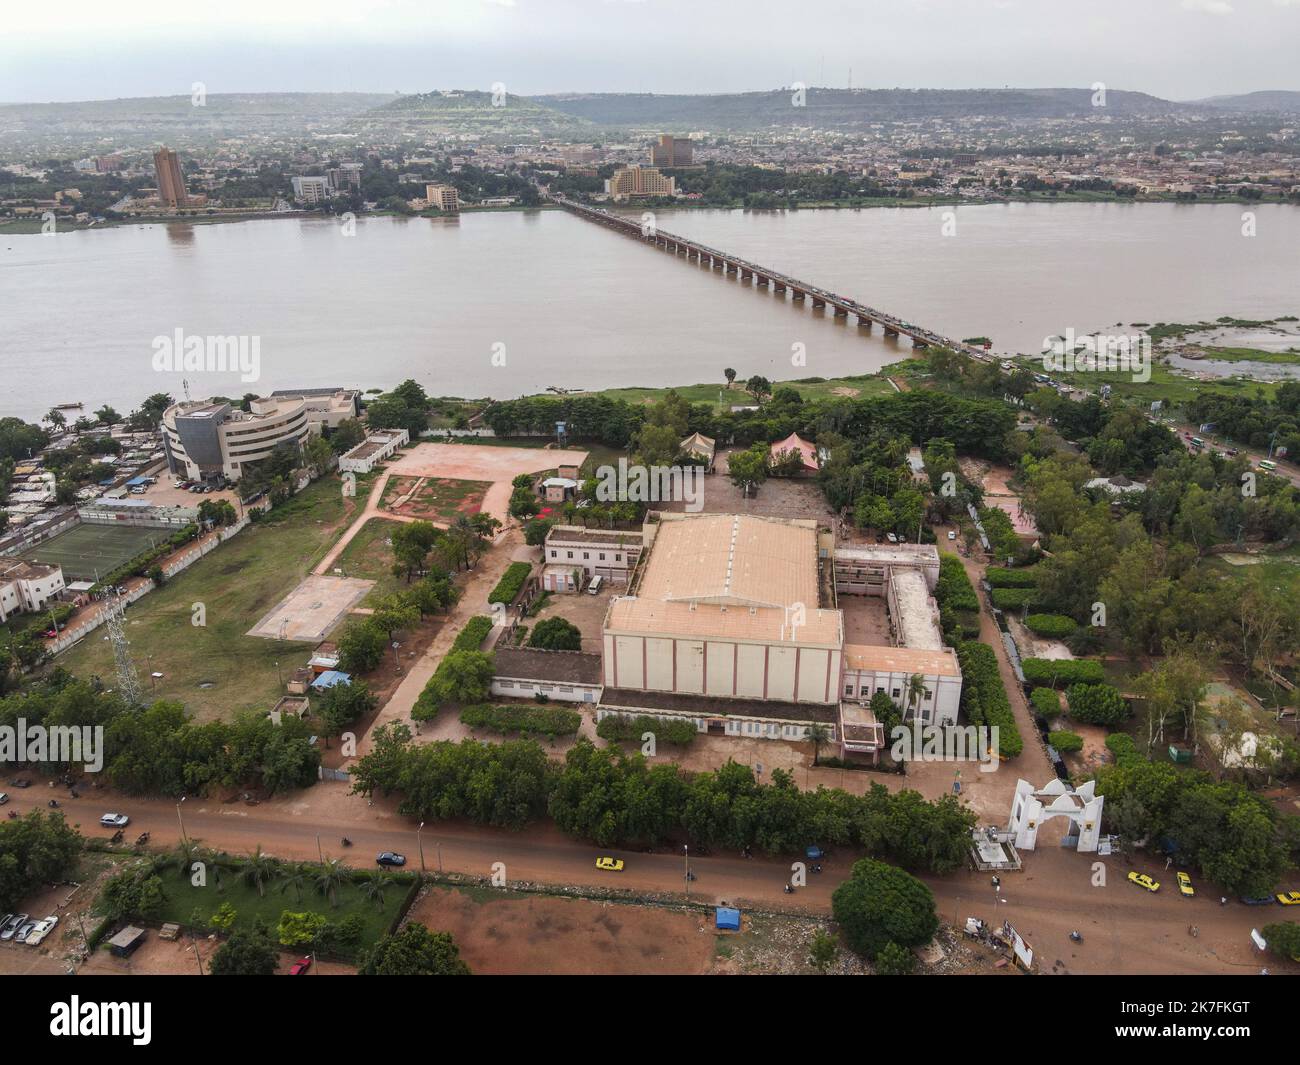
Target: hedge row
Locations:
point(1124, 750)
point(1012, 598)
point(1001, 577)
point(1046, 702)
point(954, 590)
point(543, 720)
point(1065, 742)
point(1055, 672)
point(617, 727)
point(983, 697)
point(471, 637)
point(1054, 625)
point(511, 583)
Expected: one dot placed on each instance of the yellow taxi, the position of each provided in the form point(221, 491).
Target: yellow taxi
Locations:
point(1185, 885)
point(610, 865)
point(1289, 898)
point(1144, 881)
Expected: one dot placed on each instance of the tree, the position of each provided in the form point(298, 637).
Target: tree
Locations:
point(347, 435)
point(822, 951)
point(344, 704)
point(894, 960)
point(730, 375)
point(106, 415)
point(916, 693)
point(817, 734)
point(331, 875)
point(361, 646)
point(748, 469)
point(248, 952)
point(556, 634)
point(35, 849)
point(259, 869)
point(299, 929)
point(886, 711)
point(414, 951)
point(463, 677)
point(1096, 704)
point(881, 904)
point(759, 387)
point(1283, 939)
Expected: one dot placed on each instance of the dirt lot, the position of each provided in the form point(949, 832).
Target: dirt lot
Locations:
point(312, 609)
point(585, 611)
point(165, 494)
point(437, 499)
point(509, 932)
point(778, 498)
point(866, 620)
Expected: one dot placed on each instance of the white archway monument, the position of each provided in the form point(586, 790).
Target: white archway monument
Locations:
point(1032, 806)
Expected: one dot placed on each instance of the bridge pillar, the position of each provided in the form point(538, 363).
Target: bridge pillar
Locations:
point(798, 294)
point(916, 343)
point(818, 303)
point(777, 286)
point(890, 332)
point(840, 312)
point(729, 267)
point(762, 279)
point(746, 275)
point(865, 322)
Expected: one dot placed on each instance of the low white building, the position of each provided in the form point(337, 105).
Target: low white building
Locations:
point(527, 672)
point(26, 587)
point(608, 553)
point(373, 450)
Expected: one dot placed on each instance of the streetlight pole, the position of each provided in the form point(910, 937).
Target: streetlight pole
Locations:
point(181, 820)
point(419, 840)
point(319, 853)
point(439, 845)
point(686, 854)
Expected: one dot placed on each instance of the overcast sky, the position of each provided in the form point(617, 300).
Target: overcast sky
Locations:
point(1180, 49)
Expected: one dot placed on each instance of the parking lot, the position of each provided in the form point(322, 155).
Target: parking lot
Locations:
point(585, 611)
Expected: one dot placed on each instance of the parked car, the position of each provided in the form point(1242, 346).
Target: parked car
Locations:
point(1143, 881)
point(42, 929)
point(1185, 885)
point(300, 967)
point(24, 930)
point(952, 534)
point(1257, 900)
point(20, 782)
point(610, 865)
point(391, 858)
point(114, 820)
point(4, 797)
point(11, 926)
point(596, 583)
point(1289, 898)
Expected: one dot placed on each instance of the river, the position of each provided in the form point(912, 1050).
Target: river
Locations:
point(509, 303)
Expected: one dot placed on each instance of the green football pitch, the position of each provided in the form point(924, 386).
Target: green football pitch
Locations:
point(85, 551)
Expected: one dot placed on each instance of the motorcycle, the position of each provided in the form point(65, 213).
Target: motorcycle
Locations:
point(347, 842)
point(142, 839)
point(53, 804)
point(789, 889)
point(13, 815)
point(116, 837)
point(1076, 937)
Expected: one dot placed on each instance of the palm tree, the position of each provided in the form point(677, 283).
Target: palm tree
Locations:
point(916, 692)
point(185, 854)
point(819, 734)
point(296, 877)
point(218, 863)
point(330, 877)
point(373, 888)
point(259, 869)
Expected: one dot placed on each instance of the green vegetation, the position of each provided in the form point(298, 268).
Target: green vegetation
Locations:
point(1055, 672)
point(1283, 939)
point(214, 668)
point(462, 678)
point(958, 604)
point(414, 951)
point(1002, 577)
point(548, 721)
point(1065, 742)
point(35, 849)
point(555, 634)
point(1013, 598)
point(1096, 704)
point(617, 799)
point(511, 583)
point(471, 637)
point(881, 906)
point(984, 698)
point(1056, 626)
point(1045, 702)
point(620, 728)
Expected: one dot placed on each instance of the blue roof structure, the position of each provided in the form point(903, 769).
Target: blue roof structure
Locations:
point(330, 678)
point(728, 919)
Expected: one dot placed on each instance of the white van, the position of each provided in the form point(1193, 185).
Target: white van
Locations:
point(595, 586)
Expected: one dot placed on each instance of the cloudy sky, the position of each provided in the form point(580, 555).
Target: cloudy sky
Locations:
point(1182, 49)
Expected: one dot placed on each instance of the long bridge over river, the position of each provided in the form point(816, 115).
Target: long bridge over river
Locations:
point(800, 291)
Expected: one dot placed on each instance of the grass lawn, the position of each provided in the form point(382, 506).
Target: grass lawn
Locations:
point(214, 669)
point(280, 894)
point(721, 397)
point(369, 557)
point(1291, 355)
point(1174, 389)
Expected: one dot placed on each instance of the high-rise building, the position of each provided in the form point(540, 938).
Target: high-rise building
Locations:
point(345, 178)
point(171, 182)
point(671, 151)
point(311, 189)
point(630, 181)
point(442, 197)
